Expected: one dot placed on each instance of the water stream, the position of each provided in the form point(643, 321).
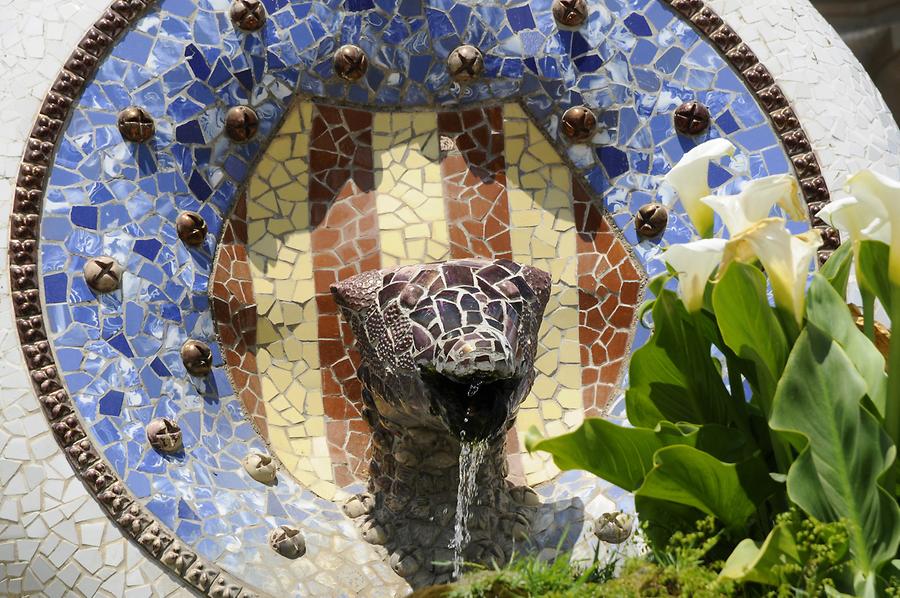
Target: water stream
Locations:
point(471, 454)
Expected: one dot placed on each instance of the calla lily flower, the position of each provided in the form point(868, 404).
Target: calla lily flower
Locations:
point(690, 176)
point(694, 262)
point(754, 203)
point(863, 221)
point(874, 189)
point(785, 257)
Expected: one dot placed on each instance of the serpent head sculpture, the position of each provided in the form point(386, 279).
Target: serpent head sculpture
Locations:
point(447, 356)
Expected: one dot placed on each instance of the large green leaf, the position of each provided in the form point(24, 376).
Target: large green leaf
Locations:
point(873, 274)
point(826, 309)
point(752, 562)
point(843, 449)
point(749, 325)
point(673, 377)
point(623, 456)
point(688, 476)
point(837, 269)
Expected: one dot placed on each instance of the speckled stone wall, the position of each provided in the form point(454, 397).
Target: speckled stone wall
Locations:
point(55, 540)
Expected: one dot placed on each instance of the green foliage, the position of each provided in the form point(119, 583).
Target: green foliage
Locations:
point(750, 328)
point(690, 477)
point(801, 557)
point(811, 437)
point(673, 377)
point(799, 554)
point(837, 269)
point(872, 258)
point(680, 570)
point(843, 449)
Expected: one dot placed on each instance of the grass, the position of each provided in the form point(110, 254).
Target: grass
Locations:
point(684, 569)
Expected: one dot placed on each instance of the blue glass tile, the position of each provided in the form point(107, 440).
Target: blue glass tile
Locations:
point(147, 248)
point(55, 288)
point(135, 47)
point(189, 132)
point(638, 24)
point(727, 123)
point(520, 18)
point(111, 403)
point(614, 160)
point(120, 343)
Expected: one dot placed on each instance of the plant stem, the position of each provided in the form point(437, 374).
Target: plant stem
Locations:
point(868, 299)
point(892, 409)
point(735, 380)
point(783, 459)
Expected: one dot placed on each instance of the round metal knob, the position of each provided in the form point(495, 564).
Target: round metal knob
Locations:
point(136, 124)
point(465, 63)
point(191, 228)
point(241, 123)
point(350, 62)
point(287, 541)
point(248, 15)
point(103, 274)
point(197, 358)
point(579, 123)
point(164, 435)
point(691, 118)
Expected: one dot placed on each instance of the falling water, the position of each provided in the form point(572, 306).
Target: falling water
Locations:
point(471, 454)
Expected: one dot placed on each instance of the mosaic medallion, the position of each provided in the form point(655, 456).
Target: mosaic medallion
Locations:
point(204, 171)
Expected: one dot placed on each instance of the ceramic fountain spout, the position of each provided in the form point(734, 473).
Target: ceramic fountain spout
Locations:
point(447, 358)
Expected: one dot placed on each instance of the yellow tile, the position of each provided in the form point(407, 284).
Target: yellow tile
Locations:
point(570, 351)
point(265, 332)
point(324, 489)
point(570, 399)
point(279, 404)
point(573, 418)
point(531, 401)
point(544, 387)
point(280, 149)
point(291, 313)
point(308, 330)
point(292, 348)
point(315, 426)
point(550, 410)
point(263, 360)
point(303, 446)
point(304, 290)
point(569, 375)
point(528, 418)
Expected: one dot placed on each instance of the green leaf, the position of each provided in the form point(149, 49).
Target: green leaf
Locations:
point(843, 449)
point(826, 309)
point(623, 456)
point(688, 476)
point(752, 562)
point(873, 270)
point(661, 518)
point(749, 324)
point(673, 377)
point(837, 269)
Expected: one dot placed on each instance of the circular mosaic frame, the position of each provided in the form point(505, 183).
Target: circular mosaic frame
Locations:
point(135, 520)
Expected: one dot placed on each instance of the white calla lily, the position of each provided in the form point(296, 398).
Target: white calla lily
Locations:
point(874, 189)
point(861, 220)
point(690, 177)
point(694, 262)
point(755, 202)
point(785, 257)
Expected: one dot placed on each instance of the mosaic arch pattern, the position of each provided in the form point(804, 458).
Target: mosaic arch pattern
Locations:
point(104, 367)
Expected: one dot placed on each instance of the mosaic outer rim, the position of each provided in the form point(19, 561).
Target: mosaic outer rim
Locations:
point(135, 521)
